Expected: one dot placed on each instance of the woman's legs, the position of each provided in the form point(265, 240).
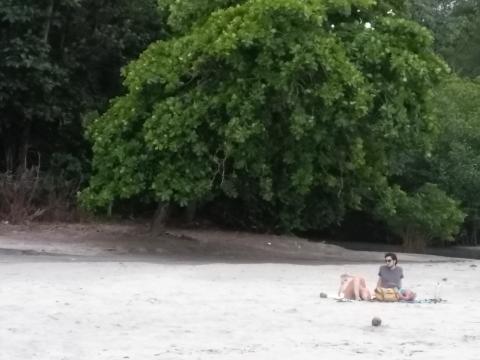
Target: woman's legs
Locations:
point(365, 294)
point(357, 289)
point(349, 292)
point(363, 290)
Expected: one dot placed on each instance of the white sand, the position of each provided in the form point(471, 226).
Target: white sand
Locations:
point(108, 310)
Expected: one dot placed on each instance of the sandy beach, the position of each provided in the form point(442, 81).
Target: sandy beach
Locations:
point(136, 310)
point(104, 292)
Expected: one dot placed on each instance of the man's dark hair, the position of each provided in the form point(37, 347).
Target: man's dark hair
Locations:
point(393, 256)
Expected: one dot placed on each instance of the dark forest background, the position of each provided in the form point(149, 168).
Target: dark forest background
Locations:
point(60, 67)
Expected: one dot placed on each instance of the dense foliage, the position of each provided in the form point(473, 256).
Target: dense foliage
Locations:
point(456, 159)
point(456, 27)
point(279, 114)
point(292, 108)
point(422, 217)
point(454, 162)
point(60, 59)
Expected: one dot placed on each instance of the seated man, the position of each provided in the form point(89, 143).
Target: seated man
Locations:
point(390, 276)
point(353, 287)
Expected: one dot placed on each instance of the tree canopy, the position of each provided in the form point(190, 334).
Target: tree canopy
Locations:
point(290, 109)
point(59, 60)
point(278, 114)
point(456, 27)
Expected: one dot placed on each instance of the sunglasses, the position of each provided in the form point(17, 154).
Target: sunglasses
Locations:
point(388, 260)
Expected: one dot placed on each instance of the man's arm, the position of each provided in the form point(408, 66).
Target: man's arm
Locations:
point(379, 282)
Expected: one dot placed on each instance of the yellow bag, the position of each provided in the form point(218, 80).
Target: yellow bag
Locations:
point(386, 294)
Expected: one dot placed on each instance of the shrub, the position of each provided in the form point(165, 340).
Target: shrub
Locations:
point(427, 216)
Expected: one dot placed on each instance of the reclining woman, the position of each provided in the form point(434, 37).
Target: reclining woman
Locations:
point(353, 287)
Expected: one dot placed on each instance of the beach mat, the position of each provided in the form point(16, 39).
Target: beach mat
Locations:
point(424, 301)
point(417, 301)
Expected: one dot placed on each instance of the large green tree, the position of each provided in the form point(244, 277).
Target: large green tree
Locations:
point(291, 108)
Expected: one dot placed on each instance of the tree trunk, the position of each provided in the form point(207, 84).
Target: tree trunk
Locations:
point(9, 157)
point(48, 23)
point(15, 138)
point(190, 212)
point(24, 145)
point(413, 240)
point(160, 218)
point(474, 238)
point(10, 151)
